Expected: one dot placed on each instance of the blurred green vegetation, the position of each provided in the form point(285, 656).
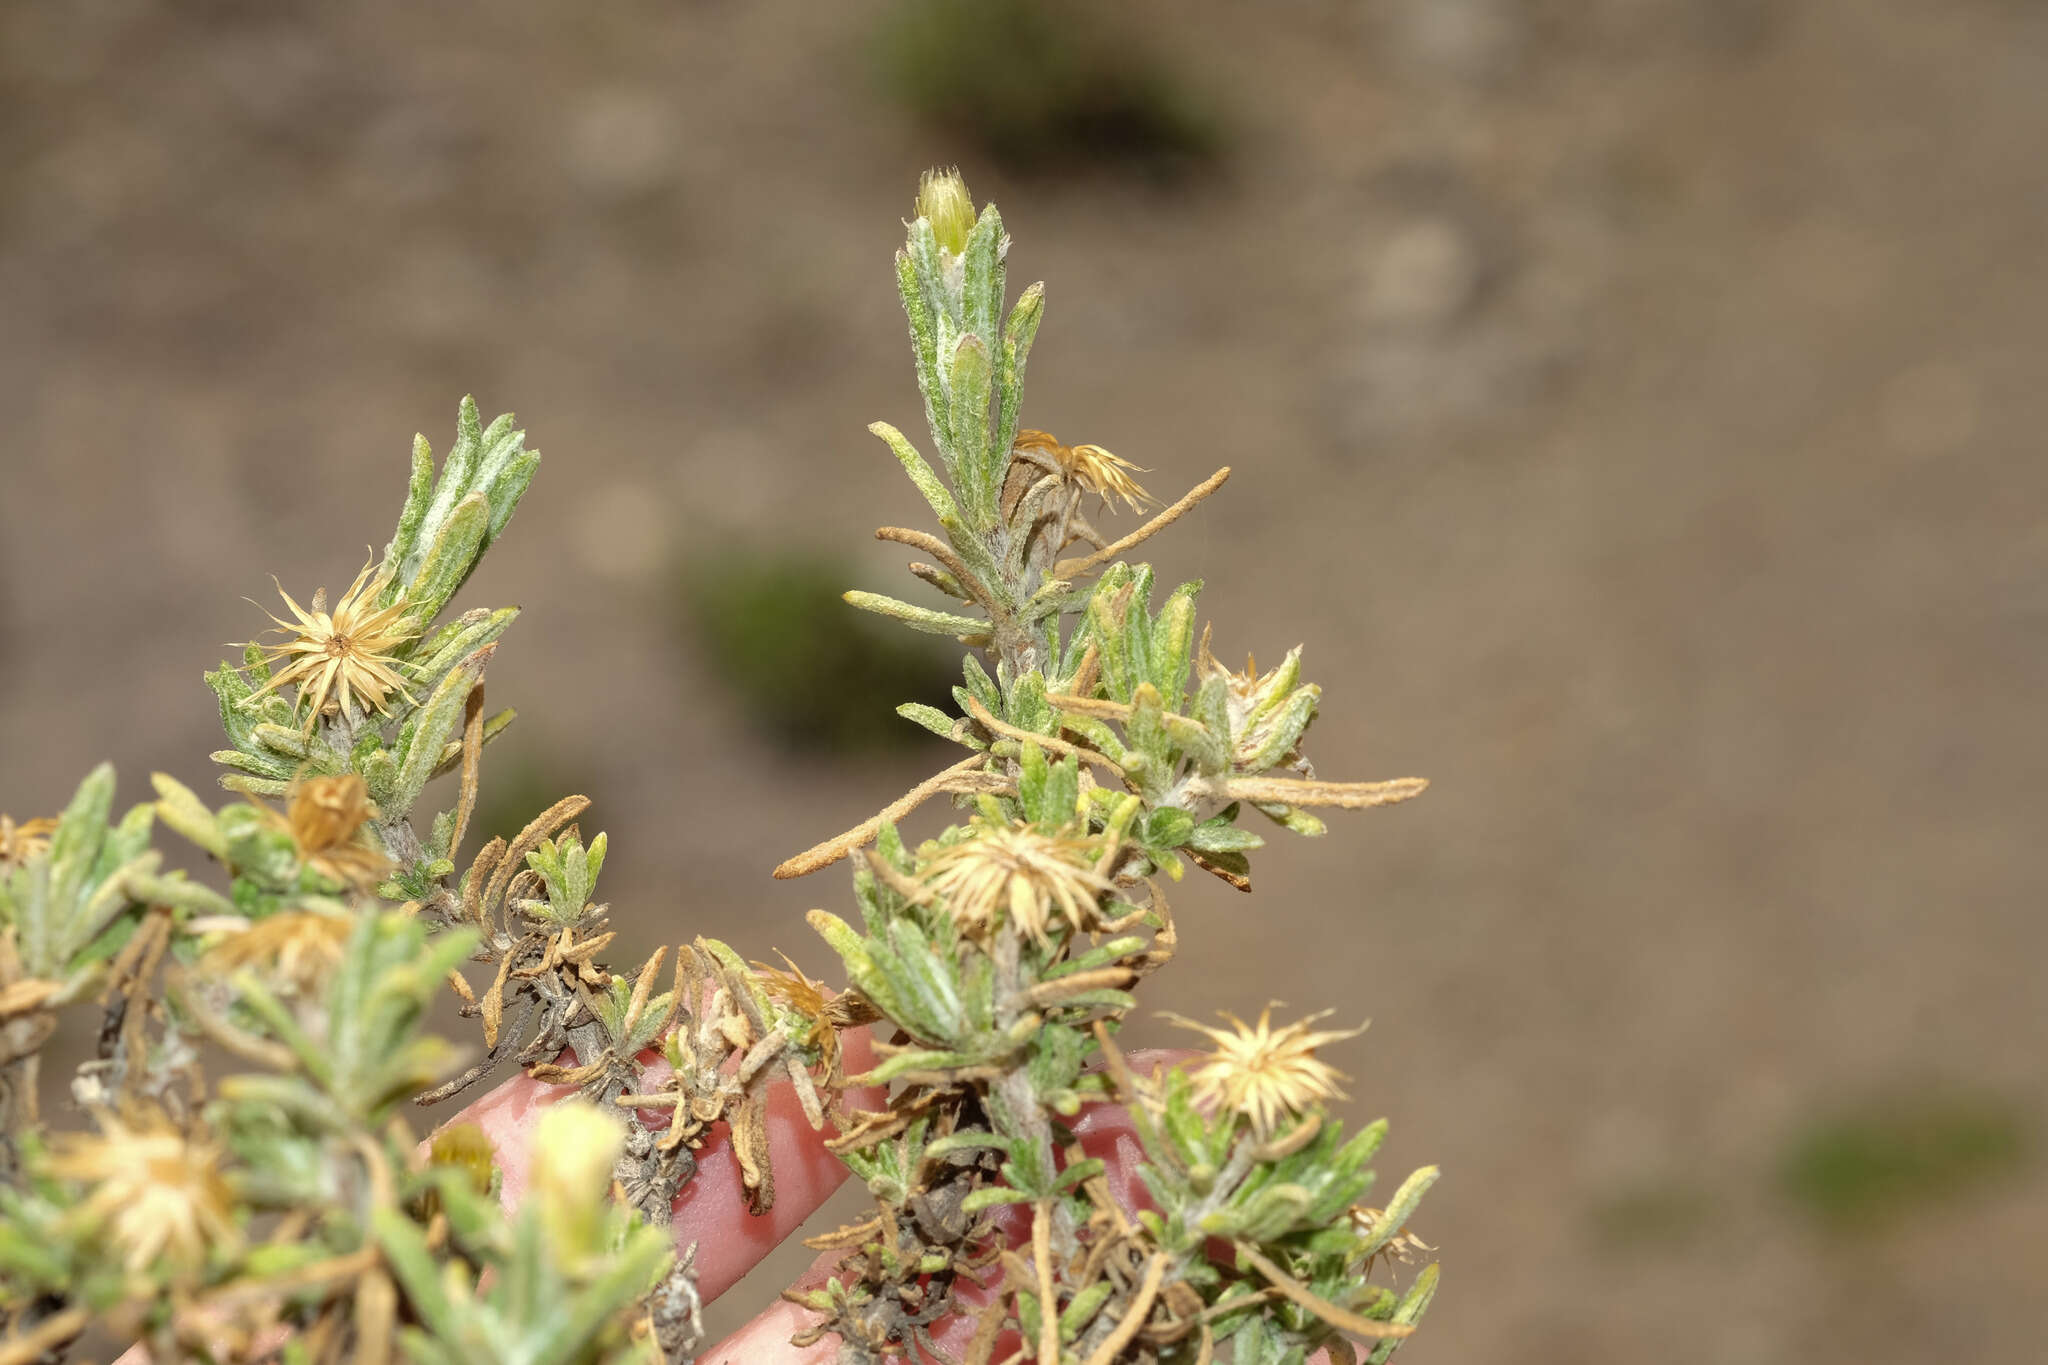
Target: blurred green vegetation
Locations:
point(1044, 87)
point(811, 673)
point(1657, 1216)
point(1864, 1168)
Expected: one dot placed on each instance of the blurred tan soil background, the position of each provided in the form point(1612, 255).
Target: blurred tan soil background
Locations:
point(1636, 407)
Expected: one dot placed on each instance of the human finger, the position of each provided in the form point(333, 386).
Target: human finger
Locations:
point(711, 1209)
point(1103, 1130)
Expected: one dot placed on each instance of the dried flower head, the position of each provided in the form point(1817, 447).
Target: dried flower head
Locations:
point(807, 1000)
point(298, 946)
point(942, 198)
point(1089, 466)
point(1404, 1246)
point(156, 1191)
point(325, 816)
point(19, 843)
point(335, 657)
point(1264, 1073)
point(1029, 875)
point(1256, 702)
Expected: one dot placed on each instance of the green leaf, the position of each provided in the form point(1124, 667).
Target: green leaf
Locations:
point(1168, 827)
point(1172, 643)
point(924, 341)
point(1408, 1312)
point(981, 294)
point(977, 470)
point(938, 722)
point(914, 1059)
point(1220, 835)
point(919, 618)
point(1082, 1308)
point(1399, 1210)
point(185, 813)
point(1280, 733)
point(989, 1196)
point(450, 558)
point(405, 1248)
point(487, 464)
point(1018, 333)
point(935, 493)
point(421, 739)
point(417, 492)
point(457, 640)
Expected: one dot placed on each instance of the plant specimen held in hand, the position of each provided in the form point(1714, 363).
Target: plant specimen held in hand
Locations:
point(965, 1067)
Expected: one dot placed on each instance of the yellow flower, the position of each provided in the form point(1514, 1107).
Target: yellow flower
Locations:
point(299, 946)
point(324, 815)
point(339, 656)
point(1090, 466)
point(1022, 872)
point(19, 843)
point(1264, 1073)
point(155, 1190)
point(942, 197)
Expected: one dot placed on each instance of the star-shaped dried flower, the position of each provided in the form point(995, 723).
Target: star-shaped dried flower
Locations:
point(1266, 1074)
point(19, 843)
point(1016, 870)
point(336, 657)
point(156, 1191)
point(1090, 466)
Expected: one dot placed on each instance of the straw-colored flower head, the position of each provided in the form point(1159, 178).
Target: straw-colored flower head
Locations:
point(298, 946)
point(806, 999)
point(337, 657)
point(1017, 872)
point(1268, 1075)
point(155, 1191)
point(19, 843)
point(942, 198)
point(325, 815)
point(1089, 466)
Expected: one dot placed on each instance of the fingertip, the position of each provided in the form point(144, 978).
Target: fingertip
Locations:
point(712, 1207)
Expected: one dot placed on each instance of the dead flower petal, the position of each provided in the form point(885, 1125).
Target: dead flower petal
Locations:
point(1268, 1075)
point(335, 658)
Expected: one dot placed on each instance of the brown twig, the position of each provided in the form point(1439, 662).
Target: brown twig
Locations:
point(1141, 1307)
point(472, 755)
point(939, 550)
point(1046, 742)
point(1048, 1296)
point(960, 778)
point(54, 1330)
point(1343, 1319)
point(1070, 568)
point(1296, 791)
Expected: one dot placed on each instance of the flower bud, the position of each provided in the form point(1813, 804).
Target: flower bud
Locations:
point(574, 1149)
point(942, 197)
